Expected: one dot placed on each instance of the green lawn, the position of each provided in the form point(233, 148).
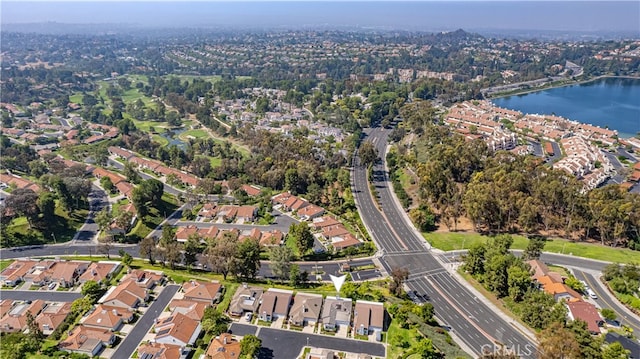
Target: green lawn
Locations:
point(65, 227)
point(400, 340)
point(5, 263)
point(197, 133)
point(76, 98)
point(161, 140)
point(448, 241)
point(155, 217)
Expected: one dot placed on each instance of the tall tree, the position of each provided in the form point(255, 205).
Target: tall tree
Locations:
point(148, 248)
point(534, 247)
point(249, 258)
point(368, 153)
point(24, 202)
point(47, 206)
point(556, 342)
point(302, 236)
point(222, 254)
point(191, 249)
point(280, 258)
point(398, 277)
point(250, 346)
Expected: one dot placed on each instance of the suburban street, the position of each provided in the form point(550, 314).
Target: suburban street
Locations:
point(39, 294)
point(132, 340)
point(470, 319)
point(89, 231)
point(286, 344)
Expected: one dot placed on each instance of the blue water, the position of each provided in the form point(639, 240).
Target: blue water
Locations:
point(611, 102)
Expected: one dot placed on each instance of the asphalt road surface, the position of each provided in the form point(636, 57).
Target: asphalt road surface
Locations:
point(39, 294)
point(132, 340)
point(97, 201)
point(287, 344)
point(472, 321)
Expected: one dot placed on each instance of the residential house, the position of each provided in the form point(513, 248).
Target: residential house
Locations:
point(368, 317)
point(275, 304)
point(273, 238)
point(305, 309)
point(334, 231)
point(247, 213)
point(66, 273)
point(120, 152)
point(87, 340)
point(223, 347)
point(16, 318)
point(345, 241)
point(15, 272)
point(540, 270)
point(146, 279)
point(177, 329)
point(108, 317)
point(128, 294)
point(207, 292)
point(125, 188)
point(586, 312)
point(5, 306)
point(192, 309)
point(310, 212)
point(336, 312)
point(246, 299)
point(39, 273)
point(53, 314)
point(325, 221)
point(320, 353)
point(250, 190)
point(559, 291)
point(208, 210)
point(99, 271)
point(154, 350)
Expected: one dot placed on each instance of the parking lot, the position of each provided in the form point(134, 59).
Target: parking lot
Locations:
point(288, 344)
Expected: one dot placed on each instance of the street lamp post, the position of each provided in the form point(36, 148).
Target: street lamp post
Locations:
point(307, 341)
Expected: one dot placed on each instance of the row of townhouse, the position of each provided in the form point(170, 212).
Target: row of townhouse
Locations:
point(154, 166)
point(120, 182)
point(229, 213)
point(177, 332)
point(48, 315)
point(335, 233)
point(297, 205)
point(10, 180)
point(308, 309)
point(581, 160)
point(266, 238)
point(553, 284)
point(64, 273)
point(116, 307)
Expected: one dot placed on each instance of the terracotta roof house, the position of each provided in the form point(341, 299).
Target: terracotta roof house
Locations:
point(305, 309)
point(281, 198)
point(98, 271)
point(207, 292)
point(108, 317)
point(559, 291)
point(245, 299)
point(325, 221)
point(275, 304)
point(39, 273)
point(120, 152)
point(66, 273)
point(586, 312)
point(53, 314)
point(253, 233)
point(540, 270)
point(310, 212)
point(368, 317)
point(161, 351)
point(5, 306)
point(145, 278)
point(184, 232)
point(247, 213)
point(126, 295)
point(16, 318)
point(208, 210)
point(125, 188)
point(192, 309)
point(228, 212)
point(99, 172)
point(208, 233)
point(177, 329)
point(336, 312)
point(334, 231)
point(223, 347)
point(345, 241)
point(251, 190)
point(86, 340)
point(15, 272)
point(274, 238)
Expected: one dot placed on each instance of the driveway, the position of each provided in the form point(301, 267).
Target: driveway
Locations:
point(133, 339)
point(37, 294)
point(287, 344)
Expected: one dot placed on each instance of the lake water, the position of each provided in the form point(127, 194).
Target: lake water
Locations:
point(610, 102)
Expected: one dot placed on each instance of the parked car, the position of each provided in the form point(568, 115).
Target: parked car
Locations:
point(592, 294)
point(248, 316)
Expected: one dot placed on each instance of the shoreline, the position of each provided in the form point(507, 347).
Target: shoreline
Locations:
point(570, 83)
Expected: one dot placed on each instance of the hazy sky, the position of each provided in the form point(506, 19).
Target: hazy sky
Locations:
point(443, 14)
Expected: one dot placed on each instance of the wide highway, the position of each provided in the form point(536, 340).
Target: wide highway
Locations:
point(401, 246)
